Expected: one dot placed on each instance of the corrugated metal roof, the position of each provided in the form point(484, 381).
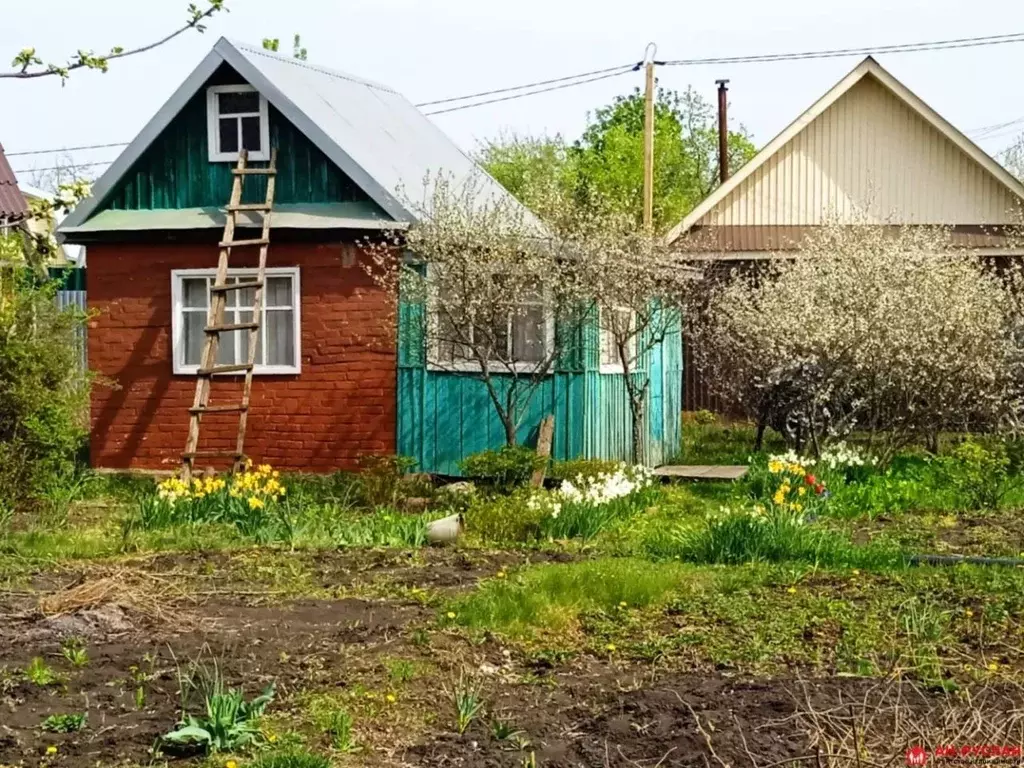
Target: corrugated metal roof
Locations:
point(12, 202)
point(372, 133)
point(293, 216)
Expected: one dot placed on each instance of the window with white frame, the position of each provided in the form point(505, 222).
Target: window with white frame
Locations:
point(523, 338)
point(617, 322)
point(277, 346)
point(237, 119)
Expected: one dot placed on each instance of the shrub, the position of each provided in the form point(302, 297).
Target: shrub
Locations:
point(507, 518)
point(381, 478)
point(508, 467)
point(896, 332)
point(978, 474)
point(43, 391)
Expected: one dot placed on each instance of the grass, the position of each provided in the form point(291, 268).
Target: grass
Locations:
point(553, 596)
point(932, 623)
point(737, 538)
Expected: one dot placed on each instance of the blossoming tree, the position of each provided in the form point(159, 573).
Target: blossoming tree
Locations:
point(894, 331)
point(493, 295)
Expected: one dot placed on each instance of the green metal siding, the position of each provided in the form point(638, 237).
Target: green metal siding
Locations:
point(176, 172)
point(445, 416)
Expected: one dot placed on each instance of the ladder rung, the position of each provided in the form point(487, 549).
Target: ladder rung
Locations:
point(249, 207)
point(244, 243)
point(254, 171)
point(219, 409)
point(231, 327)
point(236, 286)
point(212, 455)
point(224, 369)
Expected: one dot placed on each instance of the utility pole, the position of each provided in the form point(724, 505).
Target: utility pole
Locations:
point(649, 54)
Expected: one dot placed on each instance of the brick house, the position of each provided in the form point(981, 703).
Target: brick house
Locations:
point(324, 389)
point(334, 379)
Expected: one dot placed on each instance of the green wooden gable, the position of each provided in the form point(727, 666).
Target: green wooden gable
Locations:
point(176, 172)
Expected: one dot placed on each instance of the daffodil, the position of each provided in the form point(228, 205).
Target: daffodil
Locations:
point(451, 614)
point(51, 750)
point(610, 647)
point(391, 698)
point(792, 590)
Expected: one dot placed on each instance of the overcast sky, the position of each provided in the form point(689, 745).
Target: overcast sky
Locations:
point(431, 49)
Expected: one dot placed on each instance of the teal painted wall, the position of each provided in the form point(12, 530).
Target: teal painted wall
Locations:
point(176, 172)
point(445, 416)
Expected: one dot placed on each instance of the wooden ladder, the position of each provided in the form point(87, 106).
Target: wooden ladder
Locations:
point(215, 324)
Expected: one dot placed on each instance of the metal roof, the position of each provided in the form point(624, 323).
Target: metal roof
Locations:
point(12, 202)
point(372, 133)
point(352, 215)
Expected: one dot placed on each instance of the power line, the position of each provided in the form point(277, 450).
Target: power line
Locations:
point(623, 71)
point(524, 87)
point(63, 167)
point(935, 45)
point(569, 81)
point(66, 149)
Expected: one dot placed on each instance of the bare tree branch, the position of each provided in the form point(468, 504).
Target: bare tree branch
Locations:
point(30, 66)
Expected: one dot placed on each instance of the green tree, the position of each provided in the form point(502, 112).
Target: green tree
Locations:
point(606, 163)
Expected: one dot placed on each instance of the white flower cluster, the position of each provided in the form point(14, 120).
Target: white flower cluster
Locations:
point(606, 486)
point(543, 502)
point(841, 456)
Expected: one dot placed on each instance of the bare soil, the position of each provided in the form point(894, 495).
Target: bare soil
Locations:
point(580, 711)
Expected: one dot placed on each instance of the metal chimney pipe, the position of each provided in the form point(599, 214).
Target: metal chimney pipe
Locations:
point(723, 130)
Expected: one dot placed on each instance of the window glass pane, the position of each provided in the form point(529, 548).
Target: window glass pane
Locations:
point(226, 351)
point(193, 337)
point(228, 127)
point(278, 292)
point(280, 337)
point(238, 103)
point(449, 347)
point(499, 339)
point(243, 340)
point(251, 133)
point(247, 297)
point(193, 292)
point(615, 322)
point(528, 335)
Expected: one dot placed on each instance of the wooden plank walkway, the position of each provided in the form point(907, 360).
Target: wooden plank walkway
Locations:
point(701, 472)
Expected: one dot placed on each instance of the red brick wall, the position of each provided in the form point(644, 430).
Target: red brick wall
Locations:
point(341, 406)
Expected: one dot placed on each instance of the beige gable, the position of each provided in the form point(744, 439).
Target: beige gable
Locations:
point(868, 150)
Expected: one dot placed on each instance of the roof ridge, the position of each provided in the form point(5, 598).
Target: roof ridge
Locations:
point(260, 51)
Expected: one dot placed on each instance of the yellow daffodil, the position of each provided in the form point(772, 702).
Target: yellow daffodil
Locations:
point(792, 590)
point(610, 647)
point(451, 614)
point(51, 750)
point(255, 503)
point(391, 698)
point(230, 764)
point(968, 613)
point(992, 666)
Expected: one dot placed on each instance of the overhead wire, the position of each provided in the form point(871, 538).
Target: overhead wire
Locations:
point(569, 81)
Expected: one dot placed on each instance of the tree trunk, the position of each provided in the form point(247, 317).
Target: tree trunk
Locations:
point(636, 408)
point(510, 429)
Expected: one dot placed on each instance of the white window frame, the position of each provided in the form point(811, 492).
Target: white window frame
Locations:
point(177, 318)
point(604, 335)
point(213, 124)
point(473, 366)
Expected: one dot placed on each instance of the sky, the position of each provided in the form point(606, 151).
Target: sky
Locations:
point(433, 49)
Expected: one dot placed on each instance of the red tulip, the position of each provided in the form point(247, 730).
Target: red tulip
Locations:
point(819, 489)
point(811, 480)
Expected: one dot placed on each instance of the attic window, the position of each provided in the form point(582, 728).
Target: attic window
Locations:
point(236, 119)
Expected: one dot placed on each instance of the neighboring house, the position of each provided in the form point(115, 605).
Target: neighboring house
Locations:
point(869, 145)
point(68, 255)
point(13, 208)
point(334, 378)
